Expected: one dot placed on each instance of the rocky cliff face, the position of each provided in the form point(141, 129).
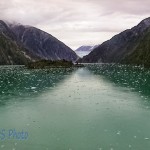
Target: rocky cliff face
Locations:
point(21, 44)
point(122, 46)
point(11, 52)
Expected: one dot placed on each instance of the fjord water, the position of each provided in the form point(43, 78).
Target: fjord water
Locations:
point(99, 107)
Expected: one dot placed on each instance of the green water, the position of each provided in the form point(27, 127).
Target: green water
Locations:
point(99, 107)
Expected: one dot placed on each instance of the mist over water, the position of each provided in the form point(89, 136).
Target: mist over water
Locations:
point(99, 107)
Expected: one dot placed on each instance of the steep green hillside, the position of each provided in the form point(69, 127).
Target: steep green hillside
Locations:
point(131, 46)
point(141, 54)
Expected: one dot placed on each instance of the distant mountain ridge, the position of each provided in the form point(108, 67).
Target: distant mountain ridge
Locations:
point(84, 50)
point(123, 48)
point(31, 44)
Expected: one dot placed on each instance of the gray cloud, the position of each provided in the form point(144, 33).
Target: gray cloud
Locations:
point(77, 22)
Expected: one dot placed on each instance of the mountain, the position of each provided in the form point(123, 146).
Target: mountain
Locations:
point(42, 44)
point(131, 46)
point(84, 50)
point(22, 44)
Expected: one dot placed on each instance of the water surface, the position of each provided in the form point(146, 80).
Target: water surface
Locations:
point(99, 107)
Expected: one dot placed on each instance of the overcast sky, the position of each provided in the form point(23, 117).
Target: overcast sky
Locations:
point(77, 22)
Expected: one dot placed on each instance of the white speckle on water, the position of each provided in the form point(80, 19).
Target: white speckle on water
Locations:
point(33, 88)
point(135, 137)
point(119, 132)
point(26, 73)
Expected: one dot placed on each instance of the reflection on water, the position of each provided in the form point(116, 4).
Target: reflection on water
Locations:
point(99, 107)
